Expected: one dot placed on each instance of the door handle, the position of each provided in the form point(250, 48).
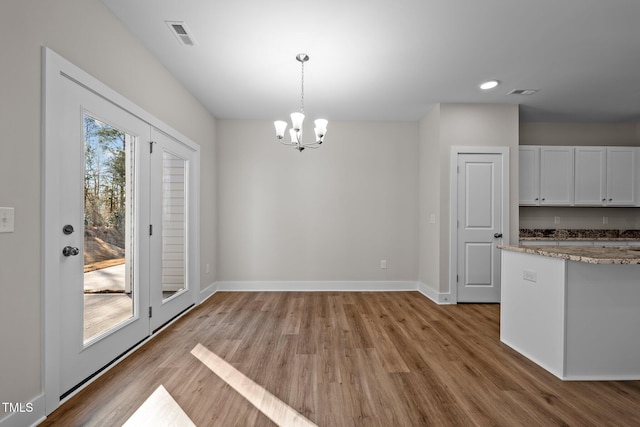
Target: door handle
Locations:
point(70, 251)
point(497, 235)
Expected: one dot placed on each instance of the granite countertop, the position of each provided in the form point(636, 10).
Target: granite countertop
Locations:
point(578, 234)
point(588, 254)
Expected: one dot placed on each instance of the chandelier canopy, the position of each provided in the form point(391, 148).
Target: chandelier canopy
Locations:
point(297, 121)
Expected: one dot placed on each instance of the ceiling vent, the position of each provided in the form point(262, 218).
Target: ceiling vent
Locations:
point(182, 33)
point(523, 92)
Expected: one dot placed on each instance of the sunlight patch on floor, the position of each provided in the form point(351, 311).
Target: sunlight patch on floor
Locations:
point(159, 410)
point(275, 409)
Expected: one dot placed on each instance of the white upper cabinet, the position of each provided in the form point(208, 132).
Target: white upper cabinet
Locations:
point(546, 176)
point(591, 176)
point(556, 176)
point(529, 182)
point(606, 176)
point(622, 169)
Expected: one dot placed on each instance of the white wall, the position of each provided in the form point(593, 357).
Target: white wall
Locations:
point(88, 35)
point(494, 125)
point(590, 134)
point(429, 199)
point(580, 218)
point(329, 214)
point(616, 134)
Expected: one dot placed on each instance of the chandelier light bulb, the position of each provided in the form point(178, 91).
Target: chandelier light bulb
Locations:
point(320, 130)
point(294, 136)
point(281, 126)
point(296, 121)
point(321, 125)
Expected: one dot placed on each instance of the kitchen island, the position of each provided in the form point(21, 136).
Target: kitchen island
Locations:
point(573, 310)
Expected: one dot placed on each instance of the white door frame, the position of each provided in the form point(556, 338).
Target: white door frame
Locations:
point(55, 66)
point(453, 205)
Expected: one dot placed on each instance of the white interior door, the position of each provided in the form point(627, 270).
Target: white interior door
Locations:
point(174, 169)
point(480, 200)
point(103, 251)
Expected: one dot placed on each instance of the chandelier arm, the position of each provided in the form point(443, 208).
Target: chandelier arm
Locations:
point(311, 145)
point(316, 142)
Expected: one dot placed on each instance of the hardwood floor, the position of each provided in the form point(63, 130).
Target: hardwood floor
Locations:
point(349, 359)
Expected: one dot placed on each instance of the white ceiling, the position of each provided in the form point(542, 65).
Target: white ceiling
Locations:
point(394, 59)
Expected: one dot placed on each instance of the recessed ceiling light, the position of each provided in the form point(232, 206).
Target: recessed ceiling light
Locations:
point(489, 84)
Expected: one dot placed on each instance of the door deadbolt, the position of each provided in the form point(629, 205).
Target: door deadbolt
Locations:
point(67, 229)
point(70, 251)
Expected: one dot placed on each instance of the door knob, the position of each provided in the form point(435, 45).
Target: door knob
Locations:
point(70, 251)
point(497, 235)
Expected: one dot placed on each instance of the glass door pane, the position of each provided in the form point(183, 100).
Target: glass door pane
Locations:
point(108, 228)
point(174, 225)
point(173, 262)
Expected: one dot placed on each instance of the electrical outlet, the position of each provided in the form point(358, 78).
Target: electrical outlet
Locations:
point(605, 220)
point(207, 269)
point(556, 220)
point(530, 276)
point(383, 263)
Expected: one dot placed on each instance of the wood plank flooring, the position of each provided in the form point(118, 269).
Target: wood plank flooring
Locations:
point(349, 359)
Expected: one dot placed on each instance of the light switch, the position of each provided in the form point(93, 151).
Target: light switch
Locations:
point(6, 220)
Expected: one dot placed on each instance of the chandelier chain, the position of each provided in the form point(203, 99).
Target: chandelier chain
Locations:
point(302, 90)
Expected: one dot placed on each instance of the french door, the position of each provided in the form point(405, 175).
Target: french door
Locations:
point(120, 232)
point(104, 252)
point(171, 218)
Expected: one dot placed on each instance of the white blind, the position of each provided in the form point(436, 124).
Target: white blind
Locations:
point(174, 170)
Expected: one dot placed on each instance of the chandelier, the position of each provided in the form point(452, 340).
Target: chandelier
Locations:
point(297, 118)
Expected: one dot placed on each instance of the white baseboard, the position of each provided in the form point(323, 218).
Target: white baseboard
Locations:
point(207, 292)
point(315, 286)
point(33, 413)
point(433, 295)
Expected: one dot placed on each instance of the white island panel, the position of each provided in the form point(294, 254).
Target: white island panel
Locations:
point(603, 322)
point(532, 308)
point(573, 310)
